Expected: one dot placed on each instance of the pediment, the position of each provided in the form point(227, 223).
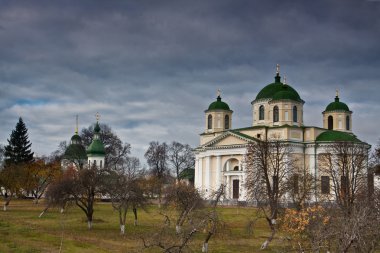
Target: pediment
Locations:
point(229, 139)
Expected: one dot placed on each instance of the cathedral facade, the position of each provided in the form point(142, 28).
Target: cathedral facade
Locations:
point(277, 112)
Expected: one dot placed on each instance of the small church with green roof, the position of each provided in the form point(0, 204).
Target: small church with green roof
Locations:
point(76, 156)
point(277, 112)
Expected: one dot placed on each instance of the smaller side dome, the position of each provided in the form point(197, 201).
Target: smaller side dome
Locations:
point(337, 106)
point(219, 105)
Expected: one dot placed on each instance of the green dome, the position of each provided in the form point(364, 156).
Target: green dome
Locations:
point(278, 90)
point(219, 105)
point(75, 151)
point(331, 135)
point(96, 148)
point(337, 106)
point(76, 139)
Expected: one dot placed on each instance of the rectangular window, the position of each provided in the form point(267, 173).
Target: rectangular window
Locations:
point(286, 115)
point(325, 184)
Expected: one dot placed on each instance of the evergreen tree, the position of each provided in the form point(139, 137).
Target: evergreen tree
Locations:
point(18, 149)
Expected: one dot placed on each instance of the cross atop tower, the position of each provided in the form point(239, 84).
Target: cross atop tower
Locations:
point(76, 125)
point(97, 116)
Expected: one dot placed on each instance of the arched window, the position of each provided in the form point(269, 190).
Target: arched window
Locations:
point(295, 118)
point(209, 122)
point(101, 164)
point(236, 168)
point(275, 114)
point(347, 122)
point(330, 122)
point(261, 112)
point(226, 122)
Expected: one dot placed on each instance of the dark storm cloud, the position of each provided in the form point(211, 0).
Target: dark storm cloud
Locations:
point(152, 67)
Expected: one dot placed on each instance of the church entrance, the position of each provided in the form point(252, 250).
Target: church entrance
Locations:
point(235, 189)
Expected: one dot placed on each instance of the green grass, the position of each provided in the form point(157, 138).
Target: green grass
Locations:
point(22, 231)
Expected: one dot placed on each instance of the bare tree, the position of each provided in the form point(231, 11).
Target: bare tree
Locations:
point(346, 164)
point(157, 158)
point(199, 219)
point(180, 157)
point(268, 163)
point(81, 187)
point(300, 186)
point(125, 190)
point(185, 199)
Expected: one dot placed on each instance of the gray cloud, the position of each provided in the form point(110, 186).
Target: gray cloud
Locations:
point(152, 67)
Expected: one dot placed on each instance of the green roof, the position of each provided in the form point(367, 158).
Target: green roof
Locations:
point(75, 151)
point(278, 91)
point(332, 135)
point(96, 148)
point(76, 139)
point(337, 106)
point(219, 105)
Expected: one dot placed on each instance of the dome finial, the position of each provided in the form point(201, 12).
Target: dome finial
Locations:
point(76, 125)
point(277, 78)
point(284, 80)
point(97, 116)
point(337, 93)
point(218, 92)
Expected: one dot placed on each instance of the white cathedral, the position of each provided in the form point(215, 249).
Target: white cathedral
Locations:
point(277, 111)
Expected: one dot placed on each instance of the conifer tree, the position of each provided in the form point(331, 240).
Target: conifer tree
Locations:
point(18, 149)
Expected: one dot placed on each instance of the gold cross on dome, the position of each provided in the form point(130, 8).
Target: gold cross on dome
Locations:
point(337, 92)
point(76, 127)
point(97, 116)
point(218, 92)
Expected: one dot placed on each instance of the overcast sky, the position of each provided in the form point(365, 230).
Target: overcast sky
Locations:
point(151, 68)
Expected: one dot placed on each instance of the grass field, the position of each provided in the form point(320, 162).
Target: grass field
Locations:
point(22, 231)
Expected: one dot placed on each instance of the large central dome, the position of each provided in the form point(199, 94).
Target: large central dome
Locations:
point(278, 91)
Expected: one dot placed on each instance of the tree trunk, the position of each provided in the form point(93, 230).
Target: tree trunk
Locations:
point(122, 229)
point(6, 204)
point(135, 213)
point(42, 213)
point(178, 229)
point(205, 247)
point(89, 224)
point(271, 222)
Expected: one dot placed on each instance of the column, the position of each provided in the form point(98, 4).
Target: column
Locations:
point(228, 187)
point(207, 183)
point(218, 172)
point(200, 174)
point(196, 173)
